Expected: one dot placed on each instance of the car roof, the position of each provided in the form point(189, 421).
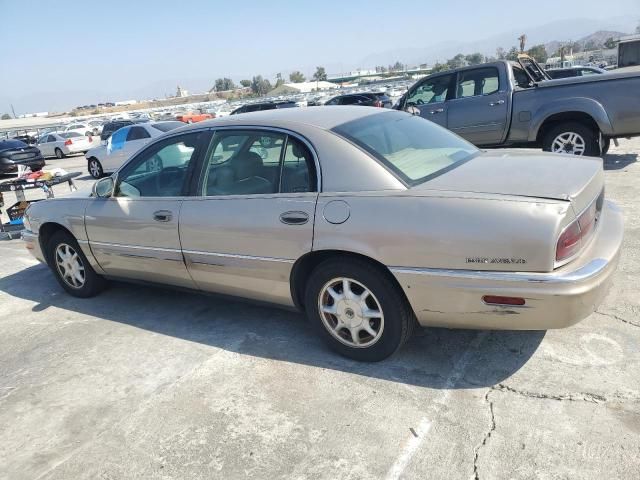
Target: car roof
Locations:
point(321, 117)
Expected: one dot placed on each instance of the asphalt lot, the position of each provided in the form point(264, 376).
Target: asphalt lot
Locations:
point(150, 383)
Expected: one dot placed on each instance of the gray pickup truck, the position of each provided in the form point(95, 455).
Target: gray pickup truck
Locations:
point(516, 104)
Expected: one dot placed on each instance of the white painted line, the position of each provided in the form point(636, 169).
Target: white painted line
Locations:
point(413, 443)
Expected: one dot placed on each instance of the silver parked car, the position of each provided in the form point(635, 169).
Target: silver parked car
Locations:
point(370, 220)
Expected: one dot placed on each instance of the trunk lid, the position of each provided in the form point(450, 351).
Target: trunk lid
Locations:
point(525, 174)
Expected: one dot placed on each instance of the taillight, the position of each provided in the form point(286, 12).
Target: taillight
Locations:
point(377, 103)
point(569, 242)
point(577, 233)
point(68, 142)
point(90, 139)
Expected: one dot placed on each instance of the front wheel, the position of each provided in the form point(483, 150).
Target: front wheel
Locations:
point(95, 168)
point(71, 268)
point(572, 138)
point(358, 310)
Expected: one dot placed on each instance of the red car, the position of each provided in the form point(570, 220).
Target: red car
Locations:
point(194, 117)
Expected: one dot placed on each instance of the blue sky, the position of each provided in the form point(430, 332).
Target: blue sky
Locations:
point(58, 54)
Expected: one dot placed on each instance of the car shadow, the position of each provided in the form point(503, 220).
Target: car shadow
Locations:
point(619, 161)
point(433, 358)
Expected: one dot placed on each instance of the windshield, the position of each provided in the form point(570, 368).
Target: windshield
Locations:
point(413, 148)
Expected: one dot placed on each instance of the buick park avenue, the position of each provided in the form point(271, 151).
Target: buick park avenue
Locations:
point(371, 221)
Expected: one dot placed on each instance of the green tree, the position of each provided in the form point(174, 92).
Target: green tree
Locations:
point(320, 74)
point(397, 67)
point(297, 77)
point(279, 81)
point(501, 54)
point(539, 53)
point(457, 61)
point(6, 116)
point(512, 54)
point(439, 67)
point(474, 58)
point(245, 83)
point(610, 43)
point(224, 84)
point(259, 85)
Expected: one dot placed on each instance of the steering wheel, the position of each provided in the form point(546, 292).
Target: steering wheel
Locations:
point(170, 178)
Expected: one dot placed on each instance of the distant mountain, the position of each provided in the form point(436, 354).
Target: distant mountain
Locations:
point(557, 31)
point(597, 38)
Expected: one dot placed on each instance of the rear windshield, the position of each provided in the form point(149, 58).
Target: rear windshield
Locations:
point(6, 144)
point(70, 134)
point(166, 126)
point(413, 148)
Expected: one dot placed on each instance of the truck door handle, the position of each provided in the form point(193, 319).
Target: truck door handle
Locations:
point(496, 103)
point(162, 216)
point(437, 110)
point(294, 218)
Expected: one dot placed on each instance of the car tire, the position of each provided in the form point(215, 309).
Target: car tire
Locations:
point(88, 134)
point(95, 168)
point(71, 268)
point(606, 144)
point(339, 314)
point(59, 153)
point(572, 138)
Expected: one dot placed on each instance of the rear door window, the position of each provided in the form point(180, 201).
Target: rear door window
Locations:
point(477, 82)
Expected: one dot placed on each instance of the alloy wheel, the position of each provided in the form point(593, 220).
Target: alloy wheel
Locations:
point(569, 142)
point(351, 312)
point(70, 266)
point(94, 169)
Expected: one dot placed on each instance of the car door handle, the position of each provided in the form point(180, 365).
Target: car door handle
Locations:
point(162, 216)
point(437, 110)
point(494, 104)
point(294, 218)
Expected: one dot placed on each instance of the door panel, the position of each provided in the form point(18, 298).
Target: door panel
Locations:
point(436, 112)
point(430, 97)
point(127, 241)
point(480, 110)
point(238, 245)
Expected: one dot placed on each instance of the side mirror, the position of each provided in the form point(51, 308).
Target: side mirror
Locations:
point(103, 188)
point(412, 110)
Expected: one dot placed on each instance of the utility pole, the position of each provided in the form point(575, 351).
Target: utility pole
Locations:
point(14, 112)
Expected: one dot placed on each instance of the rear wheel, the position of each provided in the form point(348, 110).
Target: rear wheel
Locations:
point(572, 138)
point(71, 268)
point(95, 168)
point(606, 143)
point(59, 153)
point(358, 310)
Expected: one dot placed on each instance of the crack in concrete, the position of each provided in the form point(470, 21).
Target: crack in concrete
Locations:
point(487, 435)
point(616, 317)
point(569, 397)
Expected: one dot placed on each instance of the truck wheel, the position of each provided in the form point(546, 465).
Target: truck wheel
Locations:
point(572, 138)
point(358, 310)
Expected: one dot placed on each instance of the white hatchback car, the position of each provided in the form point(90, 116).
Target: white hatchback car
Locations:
point(108, 157)
point(62, 144)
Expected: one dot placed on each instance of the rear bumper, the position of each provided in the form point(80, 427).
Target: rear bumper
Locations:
point(453, 298)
